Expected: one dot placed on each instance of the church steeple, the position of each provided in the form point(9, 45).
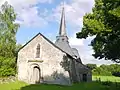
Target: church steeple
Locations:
point(62, 39)
point(62, 31)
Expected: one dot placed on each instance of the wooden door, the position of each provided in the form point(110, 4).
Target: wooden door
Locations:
point(36, 74)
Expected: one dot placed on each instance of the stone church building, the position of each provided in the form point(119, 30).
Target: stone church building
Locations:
point(42, 61)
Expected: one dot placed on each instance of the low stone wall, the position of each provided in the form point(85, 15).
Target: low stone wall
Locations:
point(8, 79)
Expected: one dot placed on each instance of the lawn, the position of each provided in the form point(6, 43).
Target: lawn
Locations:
point(107, 78)
point(81, 86)
point(23, 86)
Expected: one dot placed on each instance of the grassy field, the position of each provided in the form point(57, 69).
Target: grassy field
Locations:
point(82, 86)
point(107, 78)
point(23, 86)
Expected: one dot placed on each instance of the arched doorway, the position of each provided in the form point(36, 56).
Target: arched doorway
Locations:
point(36, 74)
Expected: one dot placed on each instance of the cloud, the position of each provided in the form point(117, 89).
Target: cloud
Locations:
point(76, 42)
point(30, 15)
point(27, 11)
point(75, 10)
point(25, 2)
point(86, 52)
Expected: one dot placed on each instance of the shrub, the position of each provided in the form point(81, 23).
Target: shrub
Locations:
point(7, 67)
point(116, 74)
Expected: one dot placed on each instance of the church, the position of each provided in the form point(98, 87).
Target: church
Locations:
point(42, 61)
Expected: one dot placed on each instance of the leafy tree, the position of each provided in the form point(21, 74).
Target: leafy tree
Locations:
point(7, 66)
point(18, 46)
point(104, 24)
point(8, 30)
point(107, 70)
point(92, 66)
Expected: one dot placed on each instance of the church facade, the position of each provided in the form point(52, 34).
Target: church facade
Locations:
point(42, 61)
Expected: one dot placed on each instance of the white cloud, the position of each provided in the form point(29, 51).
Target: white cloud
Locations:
point(27, 11)
point(86, 52)
point(26, 2)
point(75, 10)
point(76, 42)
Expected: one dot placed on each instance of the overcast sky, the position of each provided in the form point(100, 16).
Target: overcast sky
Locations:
point(43, 16)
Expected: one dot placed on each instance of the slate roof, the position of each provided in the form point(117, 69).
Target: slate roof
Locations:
point(65, 47)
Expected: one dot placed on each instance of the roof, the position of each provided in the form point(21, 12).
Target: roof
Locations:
point(62, 40)
point(47, 40)
point(64, 45)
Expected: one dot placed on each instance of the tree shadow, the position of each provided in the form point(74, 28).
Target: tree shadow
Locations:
point(56, 78)
point(95, 85)
point(44, 87)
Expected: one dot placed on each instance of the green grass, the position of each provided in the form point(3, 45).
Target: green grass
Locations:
point(107, 78)
point(81, 86)
point(23, 86)
point(12, 86)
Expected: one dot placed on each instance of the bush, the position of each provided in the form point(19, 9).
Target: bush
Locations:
point(116, 74)
point(7, 67)
point(107, 83)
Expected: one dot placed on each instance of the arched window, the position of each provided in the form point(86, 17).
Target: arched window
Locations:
point(38, 51)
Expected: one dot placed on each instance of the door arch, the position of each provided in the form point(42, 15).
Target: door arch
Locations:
point(36, 74)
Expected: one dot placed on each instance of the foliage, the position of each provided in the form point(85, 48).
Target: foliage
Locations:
point(105, 70)
point(7, 66)
point(65, 63)
point(104, 24)
point(8, 30)
point(116, 74)
point(101, 71)
point(91, 66)
point(18, 46)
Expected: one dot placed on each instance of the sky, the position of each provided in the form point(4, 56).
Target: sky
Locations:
point(43, 16)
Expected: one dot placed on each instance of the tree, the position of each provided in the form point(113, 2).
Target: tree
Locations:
point(104, 24)
point(18, 46)
point(8, 30)
point(92, 66)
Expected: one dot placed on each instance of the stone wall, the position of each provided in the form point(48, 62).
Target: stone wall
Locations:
point(82, 69)
point(8, 79)
point(49, 62)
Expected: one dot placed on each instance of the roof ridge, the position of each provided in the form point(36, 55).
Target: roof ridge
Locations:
point(47, 40)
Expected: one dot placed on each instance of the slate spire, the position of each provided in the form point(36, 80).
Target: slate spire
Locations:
point(62, 31)
point(62, 39)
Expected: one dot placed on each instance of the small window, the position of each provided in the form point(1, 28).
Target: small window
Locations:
point(38, 51)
